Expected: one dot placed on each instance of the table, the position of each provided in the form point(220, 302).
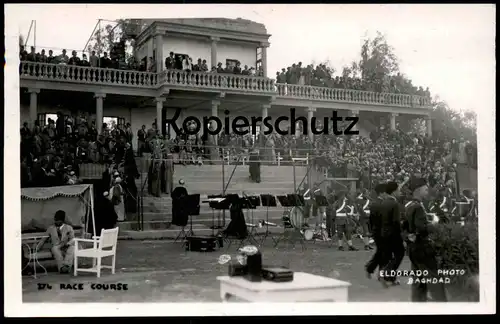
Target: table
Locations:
point(305, 287)
point(32, 242)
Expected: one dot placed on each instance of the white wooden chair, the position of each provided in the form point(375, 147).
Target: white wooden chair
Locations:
point(103, 246)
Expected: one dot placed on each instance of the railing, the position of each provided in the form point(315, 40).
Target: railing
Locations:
point(87, 75)
point(212, 81)
point(217, 81)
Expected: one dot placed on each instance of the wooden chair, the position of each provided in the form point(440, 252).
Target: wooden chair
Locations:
point(103, 246)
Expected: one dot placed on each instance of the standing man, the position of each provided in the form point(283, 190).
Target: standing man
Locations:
point(362, 204)
point(420, 247)
point(392, 241)
point(141, 140)
point(375, 224)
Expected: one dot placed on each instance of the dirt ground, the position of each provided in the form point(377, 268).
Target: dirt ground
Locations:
point(162, 271)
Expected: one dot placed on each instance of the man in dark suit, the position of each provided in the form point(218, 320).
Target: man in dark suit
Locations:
point(375, 223)
point(390, 233)
point(420, 248)
point(179, 209)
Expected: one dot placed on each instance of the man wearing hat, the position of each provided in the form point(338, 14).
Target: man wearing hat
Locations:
point(375, 222)
point(420, 248)
point(390, 231)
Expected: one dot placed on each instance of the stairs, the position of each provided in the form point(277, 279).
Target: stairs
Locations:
point(207, 180)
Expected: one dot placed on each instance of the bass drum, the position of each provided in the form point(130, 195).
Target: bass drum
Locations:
point(308, 234)
point(296, 217)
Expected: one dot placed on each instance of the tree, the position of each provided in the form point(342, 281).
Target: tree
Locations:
point(453, 124)
point(104, 38)
point(378, 60)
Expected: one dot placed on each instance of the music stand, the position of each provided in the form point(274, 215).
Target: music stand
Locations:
point(247, 204)
point(290, 201)
point(222, 205)
point(192, 205)
point(267, 201)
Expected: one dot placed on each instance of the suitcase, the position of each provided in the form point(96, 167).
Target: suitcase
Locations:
point(202, 243)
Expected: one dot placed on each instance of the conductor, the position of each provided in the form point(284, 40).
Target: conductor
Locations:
point(254, 165)
point(179, 208)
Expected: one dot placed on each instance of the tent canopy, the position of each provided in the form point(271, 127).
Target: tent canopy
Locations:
point(39, 205)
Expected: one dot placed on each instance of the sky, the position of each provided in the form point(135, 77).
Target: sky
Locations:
point(448, 48)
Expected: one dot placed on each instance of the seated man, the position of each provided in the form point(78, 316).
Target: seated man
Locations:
point(61, 236)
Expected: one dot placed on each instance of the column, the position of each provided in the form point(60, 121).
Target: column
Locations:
point(355, 113)
point(215, 113)
point(160, 60)
point(428, 122)
point(213, 58)
point(99, 111)
point(310, 115)
point(33, 106)
point(393, 121)
point(159, 111)
point(265, 111)
point(264, 58)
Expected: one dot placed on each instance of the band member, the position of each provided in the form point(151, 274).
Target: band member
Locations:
point(254, 165)
point(116, 196)
point(420, 249)
point(179, 209)
point(362, 207)
point(390, 232)
point(342, 224)
point(330, 216)
point(237, 227)
point(375, 224)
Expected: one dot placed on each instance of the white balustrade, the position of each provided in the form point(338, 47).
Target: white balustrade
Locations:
point(213, 81)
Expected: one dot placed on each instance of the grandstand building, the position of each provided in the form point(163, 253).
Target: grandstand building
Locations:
point(140, 98)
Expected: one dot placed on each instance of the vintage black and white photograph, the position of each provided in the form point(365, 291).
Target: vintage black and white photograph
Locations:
point(262, 153)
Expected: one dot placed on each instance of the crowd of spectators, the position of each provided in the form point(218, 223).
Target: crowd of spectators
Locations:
point(321, 76)
point(174, 61)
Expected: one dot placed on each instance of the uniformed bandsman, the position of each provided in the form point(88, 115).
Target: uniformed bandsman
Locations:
point(362, 204)
point(374, 222)
point(342, 223)
point(420, 247)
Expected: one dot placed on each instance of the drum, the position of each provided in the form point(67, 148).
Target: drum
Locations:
point(432, 218)
point(463, 209)
point(296, 217)
point(308, 234)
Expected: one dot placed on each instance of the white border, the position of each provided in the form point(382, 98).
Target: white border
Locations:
point(12, 279)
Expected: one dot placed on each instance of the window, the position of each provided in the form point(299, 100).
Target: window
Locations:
point(111, 122)
point(232, 63)
point(43, 119)
point(258, 59)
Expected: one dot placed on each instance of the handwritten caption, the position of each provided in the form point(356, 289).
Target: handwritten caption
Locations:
point(83, 286)
point(442, 276)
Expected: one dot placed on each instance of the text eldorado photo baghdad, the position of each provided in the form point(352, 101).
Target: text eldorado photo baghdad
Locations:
point(240, 124)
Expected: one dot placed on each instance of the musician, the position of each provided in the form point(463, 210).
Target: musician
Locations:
point(237, 227)
point(390, 232)
point(254, 165)
point(362, 207)
point(375, 223)
point(179, 209)
point(342, 223)
point(420, 248)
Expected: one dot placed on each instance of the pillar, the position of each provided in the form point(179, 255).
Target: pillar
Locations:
point(264, 58)
point(99, 111)
point(265, 113)
point(428, 123)
point(355, 113)
point(310, 115)
point(215, 113)
point(33, 106)
point(213, 57)
point(159, 111)
point(393, 121)
point(159, 53)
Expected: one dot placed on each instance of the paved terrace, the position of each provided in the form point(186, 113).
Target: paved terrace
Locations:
point(128, 82)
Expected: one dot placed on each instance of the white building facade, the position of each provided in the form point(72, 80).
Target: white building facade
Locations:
point(141, 98)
